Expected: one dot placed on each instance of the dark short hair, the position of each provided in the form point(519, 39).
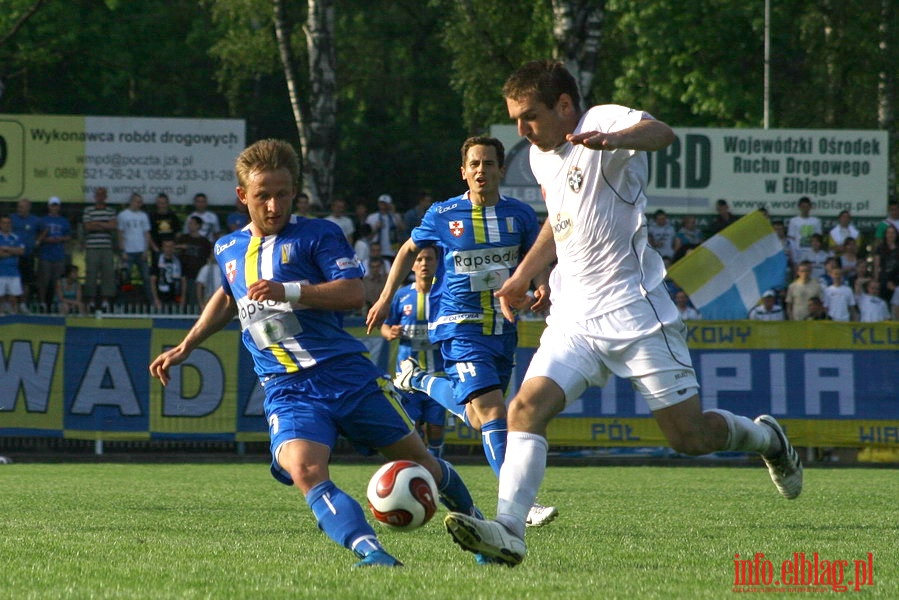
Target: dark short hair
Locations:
point(545, 80)
point(483, 140)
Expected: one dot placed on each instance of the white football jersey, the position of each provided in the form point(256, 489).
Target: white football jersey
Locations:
point(596, 205)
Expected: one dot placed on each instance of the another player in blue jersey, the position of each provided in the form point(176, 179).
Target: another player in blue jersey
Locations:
point(286, 278)
point(408, 323)
point(482, 236)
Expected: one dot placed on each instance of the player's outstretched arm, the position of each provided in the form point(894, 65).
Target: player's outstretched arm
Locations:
point(649, 135)
point(219, 311)
point(513, 293)
point(401, 266)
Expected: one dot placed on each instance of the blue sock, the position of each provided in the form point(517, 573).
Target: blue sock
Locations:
point(435, 448)
point(453, 493)
point(342, 519)
point(441, 390)
point(493, 438)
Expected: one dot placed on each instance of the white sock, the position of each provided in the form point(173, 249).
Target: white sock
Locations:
point(744, 434)
point(520, 478)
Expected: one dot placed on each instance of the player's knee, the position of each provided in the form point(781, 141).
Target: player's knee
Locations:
point(528, 414)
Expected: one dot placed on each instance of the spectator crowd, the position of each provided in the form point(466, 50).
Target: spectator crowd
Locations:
point(161, 260)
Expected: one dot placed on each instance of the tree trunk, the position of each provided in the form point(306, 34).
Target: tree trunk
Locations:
point(578, 32)
point(316, 118)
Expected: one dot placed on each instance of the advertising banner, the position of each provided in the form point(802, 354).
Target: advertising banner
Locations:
point(70, 156)
point(831, 384)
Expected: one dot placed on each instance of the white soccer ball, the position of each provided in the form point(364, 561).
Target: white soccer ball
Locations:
point(403, 495)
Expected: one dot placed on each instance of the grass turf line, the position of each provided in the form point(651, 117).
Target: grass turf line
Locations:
point(231, 531)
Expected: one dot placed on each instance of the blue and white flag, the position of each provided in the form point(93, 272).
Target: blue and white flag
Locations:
point(729, 272)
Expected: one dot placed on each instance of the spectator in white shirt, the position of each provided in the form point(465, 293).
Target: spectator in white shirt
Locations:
point(839, 299)
point(211, 228)
point(767, 309)
point(802, 226)
point(686, 310)
point(843, 230)
point(871, 307)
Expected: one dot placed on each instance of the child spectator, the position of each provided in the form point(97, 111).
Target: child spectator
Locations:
point(68, 292)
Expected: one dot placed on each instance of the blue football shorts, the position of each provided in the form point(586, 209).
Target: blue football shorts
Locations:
point(347, 396)
point(423, 408)
point(479, 364)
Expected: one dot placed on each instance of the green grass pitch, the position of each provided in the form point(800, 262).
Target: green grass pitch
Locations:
point(230, 531)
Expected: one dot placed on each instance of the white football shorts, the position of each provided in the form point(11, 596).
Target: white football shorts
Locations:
point(643, 341)
point(10, 286)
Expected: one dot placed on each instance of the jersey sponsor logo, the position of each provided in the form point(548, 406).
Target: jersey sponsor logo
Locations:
point(472, 261)
point(253, 310)
point(563, 226)
point(219, 248)
point(457, 228)
point(575, 179)
point(231, 270)
point(457, 318)
point(347, 263)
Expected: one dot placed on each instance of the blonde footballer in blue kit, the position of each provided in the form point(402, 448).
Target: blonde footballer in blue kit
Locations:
point(610, 312)
point(286, 278)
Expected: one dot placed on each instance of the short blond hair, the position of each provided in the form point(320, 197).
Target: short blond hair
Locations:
point(267, 155)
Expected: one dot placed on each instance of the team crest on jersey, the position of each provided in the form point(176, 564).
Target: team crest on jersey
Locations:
point(457, 228)
point(575, 179)
point(286, 252)
point(407, 309)
point(231, 270)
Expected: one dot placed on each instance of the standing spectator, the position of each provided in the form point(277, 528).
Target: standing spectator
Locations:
point(767, 309)
point(376, 254)
point(412, 217)
point(360, 214)
point(26, 226)
point(839, 299)
point(135, 242)
point(799, 292)
point(51, 251)
point(338, 216)
point(100, 226)
point(164, 224)
point(687, 311)
point(886, 263)
point(11, 250)
point(789, 249)
point(816, 255)
point(239, 218)
point(362, 244)
point(211, 228)
point(871, 307)
point(68, 292)
point(723, 218)
point(849, 261)
point(373, 281)
point(209, 279)
point(891, 219)
point(386, 226)
point(167, 278)
point(816, 310)
point(803, 226)
point(661, 234)
point(193, 252)
point(688, 236)
point(839, 233)
point(303, 207)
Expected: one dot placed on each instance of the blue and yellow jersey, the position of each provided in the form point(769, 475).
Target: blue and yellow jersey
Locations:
point(411, 309)
point(481, 246)
point(285, 338)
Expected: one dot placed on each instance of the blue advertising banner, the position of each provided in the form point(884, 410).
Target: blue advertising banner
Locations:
point(832, 384)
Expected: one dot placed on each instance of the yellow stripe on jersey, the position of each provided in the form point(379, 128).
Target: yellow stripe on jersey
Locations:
point(390, 394)
point(421, 315)
point(489, 312)
point(251, 261)
point(477, 224)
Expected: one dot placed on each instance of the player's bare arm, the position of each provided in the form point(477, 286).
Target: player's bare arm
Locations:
point(219, 311)
point(513, 293)
point(402, 264)
point(649, 135)
point(338, 294)
point(391, 332)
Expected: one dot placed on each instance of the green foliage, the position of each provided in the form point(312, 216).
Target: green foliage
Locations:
point(230, 531)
